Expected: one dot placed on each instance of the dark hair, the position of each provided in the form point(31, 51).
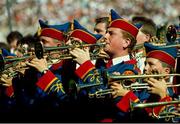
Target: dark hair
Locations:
point(102, 20)
point(138, 19)
point(29, 40)
point(148, 25)
point(13, 35)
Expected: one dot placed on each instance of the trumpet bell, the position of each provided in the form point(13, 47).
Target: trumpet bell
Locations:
point(39, 50)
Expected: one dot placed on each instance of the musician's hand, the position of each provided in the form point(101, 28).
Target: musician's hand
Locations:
point(82, 55)
point(103, 54)
point(158, 87)
point(5, 81)
point(39, 64)
point(21, 67)
point(118, 90)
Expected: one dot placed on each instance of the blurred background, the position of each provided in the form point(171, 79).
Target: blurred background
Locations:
point(23, 15)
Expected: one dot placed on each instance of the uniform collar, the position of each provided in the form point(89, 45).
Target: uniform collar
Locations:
point(118, 60)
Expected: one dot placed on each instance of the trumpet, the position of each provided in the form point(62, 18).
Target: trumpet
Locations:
point(83, 86)
point(74, 45)
point(10, 66)
point(134, 87)
point(12, 61)
point(162, 46)
point(62, 52)
point(121, 77)
point(141, 86)
point(101, 93)
point(154, 104)
point(167, 115)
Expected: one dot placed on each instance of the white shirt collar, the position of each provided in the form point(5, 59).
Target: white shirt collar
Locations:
point(120, 59)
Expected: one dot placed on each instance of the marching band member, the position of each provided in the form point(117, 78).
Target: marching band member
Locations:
point(120, 41)
point(101, 25)
point(45, 89)
point(158, 61)
point(147, 30)
point(80, 35)
point(7, 101)
point(161, 61)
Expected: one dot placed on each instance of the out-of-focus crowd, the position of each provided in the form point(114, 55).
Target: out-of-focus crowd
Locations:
point(25, 13)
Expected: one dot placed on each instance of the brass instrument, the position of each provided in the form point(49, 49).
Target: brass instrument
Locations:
point(166, 38)
point(83, 86)
point(75, 45)
point(167, 115)
point(162, 46)
point(138, 46)
point(171, 33)
point(134, 87)
point(62, 52)
point(10, 66)
point(154, 104)
point(172, 45)
point(101, 93)
point(140, 86)
point(120, 77)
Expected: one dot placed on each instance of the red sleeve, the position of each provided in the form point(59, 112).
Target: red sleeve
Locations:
point(158, 109)
point(84, 69)
point(124, 103)
point(46, 80)
point(9, 91)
